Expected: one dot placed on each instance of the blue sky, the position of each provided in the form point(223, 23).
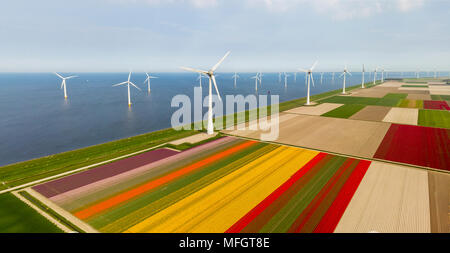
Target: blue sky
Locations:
point(267, 35)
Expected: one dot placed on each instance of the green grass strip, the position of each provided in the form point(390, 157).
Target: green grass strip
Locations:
point(283, 220)
point(434, 118)
point(344, 111)
point(50, 212)
point(415, 86)
point(395, 96)
point(18, 217)
point(440, 97)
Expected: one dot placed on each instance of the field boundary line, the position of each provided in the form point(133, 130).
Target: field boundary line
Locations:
point(77, 222)
point(44, 214)
point(77, 170)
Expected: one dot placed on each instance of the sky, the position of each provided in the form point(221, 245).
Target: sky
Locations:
point(263, 35)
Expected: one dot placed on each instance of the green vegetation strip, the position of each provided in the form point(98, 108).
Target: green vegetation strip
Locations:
point(415, 86)
point(434, 118)
point(18, 217)
point(440, 97)
point(50, 212)
point(344, 111)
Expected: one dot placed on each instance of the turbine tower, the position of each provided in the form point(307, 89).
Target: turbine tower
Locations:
point(285, 79)
point(363, 72)
point(63, 84)
point(199, 78)
point(128, 83)
point(148, 80)
point(344, 73)
point(310, 78)
point(256, 77)
point(260, 77)
point(375, 76)
point(321, 78)
point(235, 77)
point(212, 79)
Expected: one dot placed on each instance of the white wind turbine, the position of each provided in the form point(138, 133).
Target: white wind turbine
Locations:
point(128, 83)
point(344, 74)
point(295, 76)
point(363, 72)
point(285, 79)
point(260, 77)
point(212, 79)
point(235, 77)
point(375, 75)
point(321, 78)
point(382, 75)
point(279, 77)
point(63, 84)
point(148, 80)
point(310, 78)
point(256, 77)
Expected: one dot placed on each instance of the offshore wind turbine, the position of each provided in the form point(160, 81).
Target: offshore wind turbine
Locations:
point(285, 79)
point(310, 78)
point(128, 83)
point(149, 77)
point(363, 72)
point(321, 78)
point(212, 79)
point(235, 77)
point(279, 77)
point(63, 83)
point(256, 77)
point(260, 77)
point(344, 74)
point(375, 75)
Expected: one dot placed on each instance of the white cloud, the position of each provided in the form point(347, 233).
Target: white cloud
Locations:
point(195, 3)
point(341, 9)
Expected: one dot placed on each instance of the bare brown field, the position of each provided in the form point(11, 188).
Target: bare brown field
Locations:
point(390, 199)
point(419, 97)
point(439, 184)
point(371, 113)
point(351, 137)
point(371, 92)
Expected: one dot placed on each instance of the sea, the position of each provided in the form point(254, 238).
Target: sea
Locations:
point(36, 120)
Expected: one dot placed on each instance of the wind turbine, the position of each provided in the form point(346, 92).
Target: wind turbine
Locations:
point(279, 77)
point(256, 77)
point(295, 76)
point(310, 78)
point(332, 77)
point(375, 76)
point(285, 79)
point(344, 73)
point(63, 84)
point(210, 74)
point(148, 80)
point(128, 85)
point(260, 78)
point(363, 72)
point(235, 77)
point(382, 75)
point(321, 78)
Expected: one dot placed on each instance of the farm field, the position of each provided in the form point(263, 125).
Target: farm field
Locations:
point(432, 118)
point(217, 187)
point(18, 217)
point(344, 111)
point(241, 186)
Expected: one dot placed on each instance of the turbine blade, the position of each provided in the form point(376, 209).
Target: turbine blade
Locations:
point(194, 70)
point(220, 62)
point(135, 86)
point(312, 79)
point(59, 75)
point(314, 65)
point(215, 85)
point(304, 70)
point(70, 77)
point(129, 76)
point(348, 72)
point(342, 74)
point(119, 84)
